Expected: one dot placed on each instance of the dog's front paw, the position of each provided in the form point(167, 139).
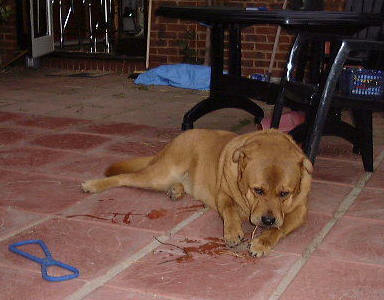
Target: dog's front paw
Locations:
point(260, 247)
point(176, 192)
point(91, 186)
point(233, 237)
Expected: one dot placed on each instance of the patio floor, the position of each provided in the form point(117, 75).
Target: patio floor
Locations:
point(58, 130)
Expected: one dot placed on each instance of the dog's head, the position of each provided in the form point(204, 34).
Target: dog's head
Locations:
point(274, 177)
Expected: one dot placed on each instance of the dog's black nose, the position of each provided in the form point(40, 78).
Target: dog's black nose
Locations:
point(268, 220)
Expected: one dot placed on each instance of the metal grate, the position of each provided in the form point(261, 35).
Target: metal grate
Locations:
point(97, 26)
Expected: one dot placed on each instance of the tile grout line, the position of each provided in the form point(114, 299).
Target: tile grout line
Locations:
point(92, 285)
point(342, 209)
point(20, 230)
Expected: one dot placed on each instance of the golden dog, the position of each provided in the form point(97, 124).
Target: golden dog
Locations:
point(262, 177)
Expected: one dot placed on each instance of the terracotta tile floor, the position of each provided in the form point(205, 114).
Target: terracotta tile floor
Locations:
point(128, 243)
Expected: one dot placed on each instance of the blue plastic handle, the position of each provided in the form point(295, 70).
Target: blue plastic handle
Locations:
point(46, 262)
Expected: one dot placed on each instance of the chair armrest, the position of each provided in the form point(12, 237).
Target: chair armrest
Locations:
point(363, 44)
point(356, 44)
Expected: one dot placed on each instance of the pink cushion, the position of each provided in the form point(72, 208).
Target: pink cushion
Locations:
point(288, 121)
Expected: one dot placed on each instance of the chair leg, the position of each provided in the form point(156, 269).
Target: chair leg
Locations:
point(300, 132)
point(315, 132)
point(278, 108)
point(289, 70)
point(363, 123)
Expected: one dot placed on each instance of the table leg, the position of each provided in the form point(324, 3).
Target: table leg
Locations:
point(217, 99)
point(217, 62)
point(234, 67)
point(211, 104)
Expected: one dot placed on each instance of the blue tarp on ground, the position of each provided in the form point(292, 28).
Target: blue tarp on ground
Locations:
point(186, 76)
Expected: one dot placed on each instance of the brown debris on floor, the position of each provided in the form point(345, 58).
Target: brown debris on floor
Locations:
point(211, 246)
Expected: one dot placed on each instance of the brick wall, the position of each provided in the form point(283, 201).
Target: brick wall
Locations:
point(169, 38)
point(9, 49)
point(170, 42)
point(124, 66)
point(8, 35)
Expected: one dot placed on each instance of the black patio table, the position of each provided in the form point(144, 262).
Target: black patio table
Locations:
point(231, 90)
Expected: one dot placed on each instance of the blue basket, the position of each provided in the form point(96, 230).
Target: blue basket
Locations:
point(259, 77)
point(362, 82)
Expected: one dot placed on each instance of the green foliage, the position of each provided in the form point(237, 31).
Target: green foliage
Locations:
point(189, 54)
point(242, 123)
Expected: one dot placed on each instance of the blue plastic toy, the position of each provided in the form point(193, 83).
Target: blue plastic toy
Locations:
point(46, 262)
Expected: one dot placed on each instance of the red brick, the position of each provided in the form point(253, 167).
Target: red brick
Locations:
point(187, 3)
point(278, 73)
point(158, 43)
point(286, 39)
point(255, 38)
point(248, 46)
point(167, 51)
point(200, 44)
point(94, 64)
point(174, 59)
point(253, 54)
point(158, 27)
point(284, 47)
point(268, 47)
point(250, 29)
point(202, 36)
point(8, 44)
point(9, 37)
point(266, 29)
point(281, 64)
point(158, 59)
point(281, 56)
point(152, 51)
point(176, 27)
point(164, 20)
point(167, 35)
point(8, 27)
point(247, 62)
point(259, 63)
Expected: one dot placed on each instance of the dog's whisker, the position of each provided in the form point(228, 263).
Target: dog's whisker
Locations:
point(254, 232)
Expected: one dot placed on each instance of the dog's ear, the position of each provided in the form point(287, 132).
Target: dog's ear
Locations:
point(307, 165)
point(248, 147)
point(300, 196)
point(239, 158)
point(305, 180)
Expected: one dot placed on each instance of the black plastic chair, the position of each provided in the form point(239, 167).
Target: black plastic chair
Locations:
point(316, 93)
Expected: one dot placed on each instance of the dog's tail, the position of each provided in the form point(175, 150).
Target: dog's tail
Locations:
point(128, 166)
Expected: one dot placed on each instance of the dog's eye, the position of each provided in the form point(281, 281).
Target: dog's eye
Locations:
point(259, 191)
point(284, 194)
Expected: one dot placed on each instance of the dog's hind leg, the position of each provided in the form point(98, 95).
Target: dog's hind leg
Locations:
point(128, 166)
point(158, 175)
